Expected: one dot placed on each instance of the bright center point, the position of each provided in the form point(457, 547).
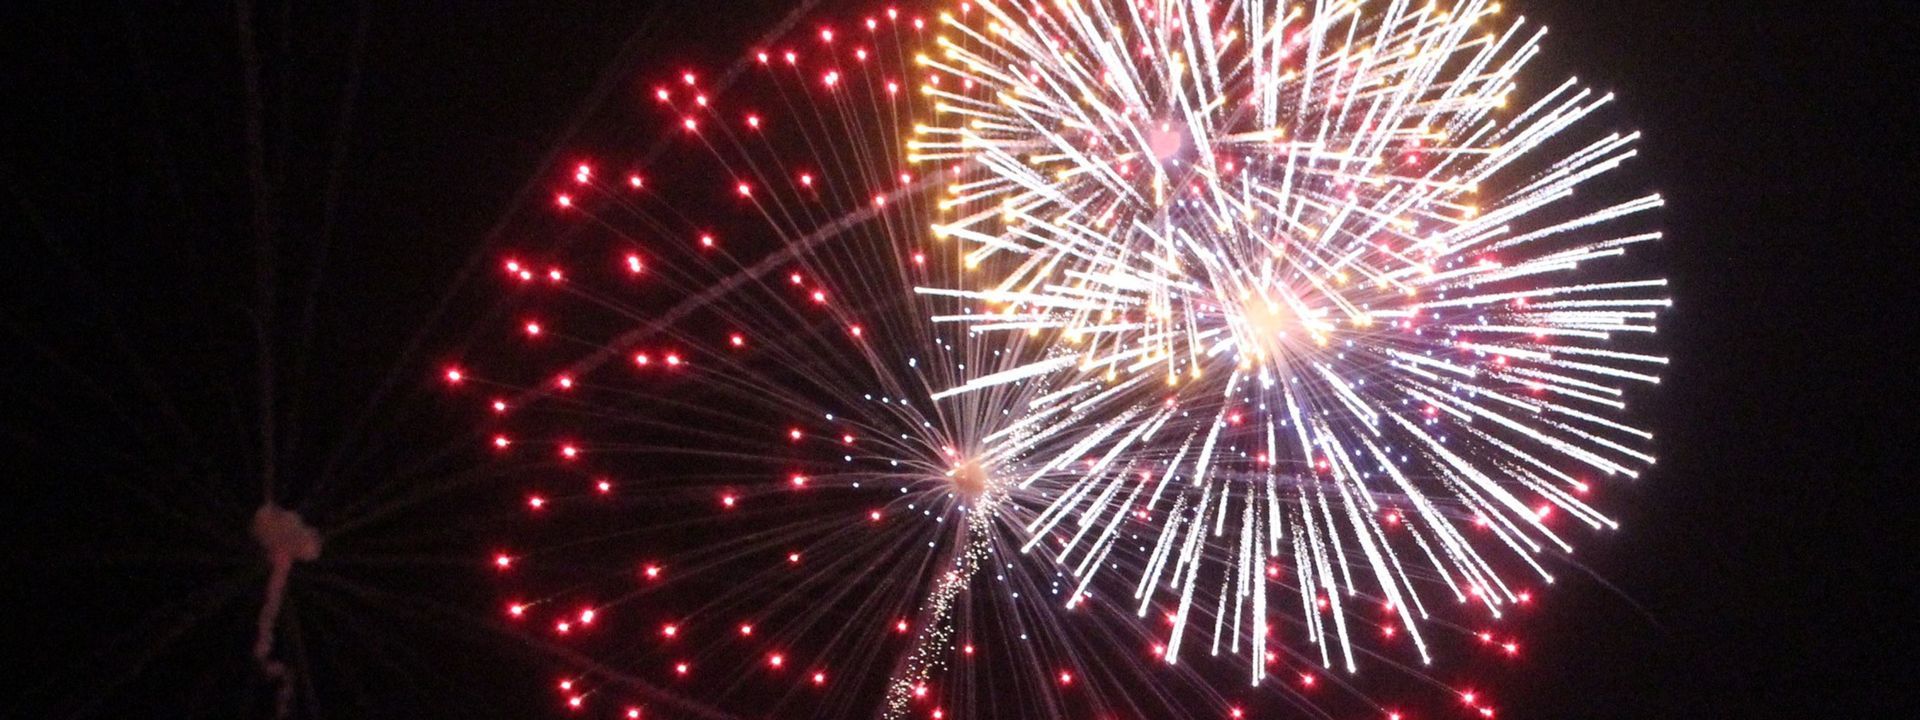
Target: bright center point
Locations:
point(1266, 319)
point(969, 477)
point(1263, 325)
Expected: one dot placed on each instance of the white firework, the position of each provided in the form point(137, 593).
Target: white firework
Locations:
point(1364, 312)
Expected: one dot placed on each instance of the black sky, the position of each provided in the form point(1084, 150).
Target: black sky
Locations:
point(1761, 571)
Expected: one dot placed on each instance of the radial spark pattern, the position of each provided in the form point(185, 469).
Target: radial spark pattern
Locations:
point(1139, 326)
point(719, 402)
point(1381, 284)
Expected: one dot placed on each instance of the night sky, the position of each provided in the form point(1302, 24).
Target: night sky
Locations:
point(1757, 574)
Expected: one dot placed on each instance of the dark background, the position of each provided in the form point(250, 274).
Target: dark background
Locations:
point(1762, 570)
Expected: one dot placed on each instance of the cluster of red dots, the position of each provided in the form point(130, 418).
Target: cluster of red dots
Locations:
point(635, 264)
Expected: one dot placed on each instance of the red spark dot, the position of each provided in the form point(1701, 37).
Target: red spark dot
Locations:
point(707, 240)
point(794, 434)
point(793, 557)
point(919, 258)
point(586, 616)
point(454, 375)
point(874, 516)
point(690, 124)
point(826, 35)
point(744, 190)
point(673, 359)
point(563, 200)
point(753, 121)
point(746, 630)
point(502, 561)
point(798, 480)
point(563, 627)
point(574, 702)
point(566, 684)
point(776, 660)
point(652, 572)
point(670, 630)
point(681, 668)
point(737, 340)
point(855, 330)
point(819, 297)
point(501, 441)
point(900, 626)
point(603, 486)
point(687, 77)
point(661, 93)
point(968, 649)
point(633, 713)
point(727, 501)
point(536, 502)
point(636, 181)
point(642, 359)
point(819, 678)
point(1238, 713)
point(516, 610)
point(499, 406)
point(634, 265)
point(806, 179)
point(569, 452)
point(533, 328)
point(1066, 678)
point(1306, 679)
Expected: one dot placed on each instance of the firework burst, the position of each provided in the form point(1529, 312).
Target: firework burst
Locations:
point(744, 404)
point(1275, 323)
point(1355, 262)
